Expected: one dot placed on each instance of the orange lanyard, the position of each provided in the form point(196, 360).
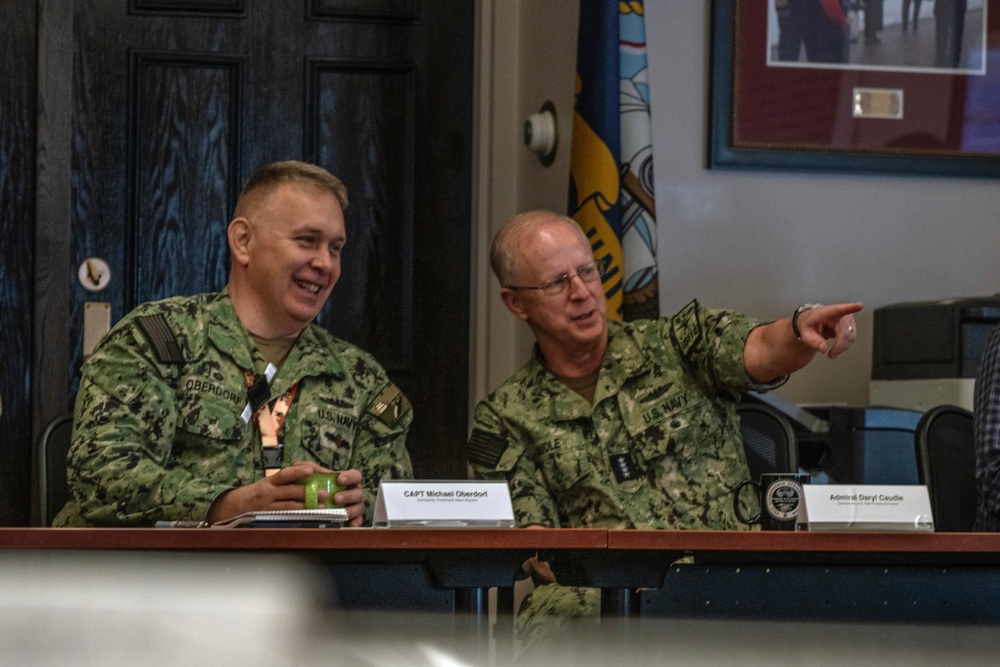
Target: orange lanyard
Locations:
point(269, 421)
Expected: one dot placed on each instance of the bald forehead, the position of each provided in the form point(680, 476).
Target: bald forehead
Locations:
point(510, 242)
point(525, 235)
point(530, 224)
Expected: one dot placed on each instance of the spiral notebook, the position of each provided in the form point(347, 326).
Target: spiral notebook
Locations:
point(319, 518)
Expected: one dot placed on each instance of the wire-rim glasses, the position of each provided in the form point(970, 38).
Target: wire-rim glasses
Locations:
point(588, 273)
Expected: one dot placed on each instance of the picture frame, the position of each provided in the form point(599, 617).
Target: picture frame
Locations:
point(883, 108)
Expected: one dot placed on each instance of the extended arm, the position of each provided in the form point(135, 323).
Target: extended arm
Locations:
point(773, 350)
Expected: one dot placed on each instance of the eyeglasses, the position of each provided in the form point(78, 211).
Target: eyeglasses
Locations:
point(588, 273)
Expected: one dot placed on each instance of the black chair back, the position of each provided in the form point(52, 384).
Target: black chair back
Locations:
point(51, 489)
point(768, 439)
point(946, 463)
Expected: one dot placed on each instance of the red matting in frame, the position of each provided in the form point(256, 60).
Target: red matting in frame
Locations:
point(809, 108)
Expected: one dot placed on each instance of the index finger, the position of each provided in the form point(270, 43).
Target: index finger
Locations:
point(839, 310)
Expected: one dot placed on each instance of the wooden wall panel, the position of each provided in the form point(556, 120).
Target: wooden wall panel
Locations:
point(187, 7)
point(17, 194)
point(359, 123)
point(399, 10)
point(183, 177)
point(442, 231)
point(153, 112)
point(156, 133)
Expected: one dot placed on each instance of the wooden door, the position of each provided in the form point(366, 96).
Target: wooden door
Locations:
point(18, 76)
point(171, 104)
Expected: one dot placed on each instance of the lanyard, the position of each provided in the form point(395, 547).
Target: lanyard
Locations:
point(269, 421)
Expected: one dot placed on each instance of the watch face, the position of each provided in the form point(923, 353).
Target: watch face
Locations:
point(94, 274)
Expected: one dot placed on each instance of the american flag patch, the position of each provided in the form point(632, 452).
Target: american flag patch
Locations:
point(485, 448)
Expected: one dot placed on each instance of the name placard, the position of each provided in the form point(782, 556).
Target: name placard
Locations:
point(904, 508)
point(443, 503)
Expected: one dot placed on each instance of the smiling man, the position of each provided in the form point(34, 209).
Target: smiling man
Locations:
point(202, 408)
point(625, 425)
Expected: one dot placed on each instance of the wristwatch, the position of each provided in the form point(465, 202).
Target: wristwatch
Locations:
point(795, 317)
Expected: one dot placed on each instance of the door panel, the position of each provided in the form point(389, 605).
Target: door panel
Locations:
point(174, 104)
point(156, 146)
point(17, 177)
point(360, 125)
point(181, 176)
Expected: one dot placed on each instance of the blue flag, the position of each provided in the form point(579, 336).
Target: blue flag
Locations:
point(611, 157)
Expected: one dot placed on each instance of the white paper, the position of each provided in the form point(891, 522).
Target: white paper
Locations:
point(901, 507)
point(443, 503)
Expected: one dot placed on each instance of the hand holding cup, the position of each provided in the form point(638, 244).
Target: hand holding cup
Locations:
point(325, 482)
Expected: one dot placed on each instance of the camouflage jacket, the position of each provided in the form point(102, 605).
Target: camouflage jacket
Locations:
point(660, 448)
point(160, 441)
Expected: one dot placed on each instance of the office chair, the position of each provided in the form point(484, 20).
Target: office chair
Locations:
point(946, 463)
point(768, 439)
point(50, 486)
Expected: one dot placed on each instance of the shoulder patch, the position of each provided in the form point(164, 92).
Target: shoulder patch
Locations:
point(685, 329)
point(161, 337)
point(485, 448)
point(389, 406)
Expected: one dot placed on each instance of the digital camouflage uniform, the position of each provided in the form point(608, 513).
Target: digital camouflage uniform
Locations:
point(156, 440)
point(660, 448)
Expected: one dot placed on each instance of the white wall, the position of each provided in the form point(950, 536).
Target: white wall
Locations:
point(761, 243)
point(526, 55)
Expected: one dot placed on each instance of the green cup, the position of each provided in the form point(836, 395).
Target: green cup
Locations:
point(321, 481)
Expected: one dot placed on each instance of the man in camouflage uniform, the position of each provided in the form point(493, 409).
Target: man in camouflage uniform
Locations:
point(164, 428)
point(632, 425)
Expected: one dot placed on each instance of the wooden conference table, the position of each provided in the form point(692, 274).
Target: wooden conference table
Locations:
point(924, 577)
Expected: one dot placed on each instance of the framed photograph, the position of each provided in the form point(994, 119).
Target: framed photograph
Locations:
point(884, 86)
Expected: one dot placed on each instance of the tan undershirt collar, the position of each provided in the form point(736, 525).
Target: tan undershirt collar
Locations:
point(274, 350)
point(585, 385)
